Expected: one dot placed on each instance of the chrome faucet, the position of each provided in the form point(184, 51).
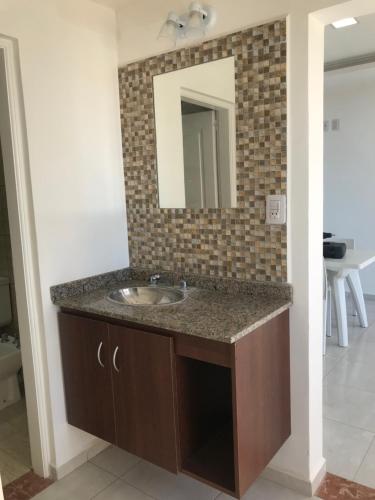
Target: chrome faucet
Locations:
point(154, 279)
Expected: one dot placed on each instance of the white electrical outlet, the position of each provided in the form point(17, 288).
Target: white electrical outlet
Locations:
point(276, 209)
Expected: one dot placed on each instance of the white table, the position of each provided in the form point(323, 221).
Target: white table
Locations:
point(348, 269)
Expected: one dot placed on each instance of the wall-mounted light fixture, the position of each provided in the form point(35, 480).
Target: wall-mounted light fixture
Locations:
point(192, 24)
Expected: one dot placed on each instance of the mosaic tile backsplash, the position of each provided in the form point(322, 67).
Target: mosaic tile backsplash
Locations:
point(234, 243)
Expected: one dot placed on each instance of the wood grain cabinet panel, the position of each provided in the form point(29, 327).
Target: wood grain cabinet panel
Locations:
point(234, 417)
point(143, 384)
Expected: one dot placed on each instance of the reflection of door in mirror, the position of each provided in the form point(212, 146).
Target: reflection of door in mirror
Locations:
point(206, 155)
point(200, 166)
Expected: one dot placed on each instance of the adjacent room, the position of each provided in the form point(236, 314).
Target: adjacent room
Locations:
point(349, 205)
point(15, 459)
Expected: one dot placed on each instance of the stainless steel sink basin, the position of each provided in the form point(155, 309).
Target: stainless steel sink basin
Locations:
point(147, 296)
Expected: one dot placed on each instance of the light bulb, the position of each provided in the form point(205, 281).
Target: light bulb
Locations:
point(196, 25)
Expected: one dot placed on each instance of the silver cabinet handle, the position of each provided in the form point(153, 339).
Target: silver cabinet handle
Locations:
point(114, 360)
point(99, 354)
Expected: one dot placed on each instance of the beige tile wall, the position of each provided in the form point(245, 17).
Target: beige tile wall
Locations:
point(6, 264)
point(222, 242)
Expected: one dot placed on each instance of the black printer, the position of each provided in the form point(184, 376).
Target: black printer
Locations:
point(333, 249)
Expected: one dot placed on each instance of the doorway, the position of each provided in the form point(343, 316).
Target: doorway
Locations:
point(349, 205)
point(15, 456)
point(25, 276)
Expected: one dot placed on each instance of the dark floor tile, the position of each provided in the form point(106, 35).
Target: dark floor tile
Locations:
point(25, 487)
point(336, 488)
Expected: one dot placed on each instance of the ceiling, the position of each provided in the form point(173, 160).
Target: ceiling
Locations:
point(356, 40)
point(343, 43)
point(113, 3)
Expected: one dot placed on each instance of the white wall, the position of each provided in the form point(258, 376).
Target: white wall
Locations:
point(214, 79)
point(349, 164)
point(68, 59)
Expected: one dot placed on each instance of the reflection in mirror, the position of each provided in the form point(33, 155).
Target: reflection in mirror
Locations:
point(195, 135)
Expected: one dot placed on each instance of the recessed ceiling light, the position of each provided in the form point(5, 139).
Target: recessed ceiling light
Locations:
point(343, 23)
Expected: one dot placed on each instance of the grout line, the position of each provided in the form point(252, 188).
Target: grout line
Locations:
point(364, 458)
point(139, 489)
point(131, 468)
point(110, 472)
point(107, 486)
point(337, 361)
point(349, 425)
point(120, 478)
point(337, 383)
point(103, 490)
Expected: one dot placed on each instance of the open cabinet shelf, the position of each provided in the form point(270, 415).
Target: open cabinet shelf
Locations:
point(206, 422)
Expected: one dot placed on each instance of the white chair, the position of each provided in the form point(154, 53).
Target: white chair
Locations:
point(350, 244)
point(354, 285)
point(327, 308)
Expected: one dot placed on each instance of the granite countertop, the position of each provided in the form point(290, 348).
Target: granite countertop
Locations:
point(224, 315)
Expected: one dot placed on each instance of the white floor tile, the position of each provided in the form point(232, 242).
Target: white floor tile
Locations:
point(333, 350)
point(82, 484)
point(363, 351)
point(366, 473)
point(18, 447)
point(266, 490)
point(350, 406)
point(12, 411)
point(359, 375)
point(6, 430)
point(163, 485)
point(120, 490)
point(115, 461)
point(10, 469)
point(345, 448)
point(329, 362)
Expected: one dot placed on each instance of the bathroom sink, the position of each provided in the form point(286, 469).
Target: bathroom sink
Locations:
point(147, 296)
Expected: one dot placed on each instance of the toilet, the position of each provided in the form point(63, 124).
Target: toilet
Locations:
point(10, 353)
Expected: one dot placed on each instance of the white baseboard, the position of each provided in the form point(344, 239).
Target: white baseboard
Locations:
point(288, 480)
point(68, 467)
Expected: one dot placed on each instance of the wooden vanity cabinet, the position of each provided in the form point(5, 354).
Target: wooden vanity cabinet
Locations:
point(119, 386)
point(216, 411)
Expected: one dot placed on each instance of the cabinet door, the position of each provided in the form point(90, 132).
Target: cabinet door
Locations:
point(86, 360)
point(143, 382)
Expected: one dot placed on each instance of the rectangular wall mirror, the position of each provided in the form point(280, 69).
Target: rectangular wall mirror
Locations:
point(196, 136)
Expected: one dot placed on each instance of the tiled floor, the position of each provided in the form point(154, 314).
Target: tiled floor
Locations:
point(116, 475)
point(349, 403)
point(15, 458)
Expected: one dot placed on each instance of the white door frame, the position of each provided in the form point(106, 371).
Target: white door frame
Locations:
point(24, 251)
